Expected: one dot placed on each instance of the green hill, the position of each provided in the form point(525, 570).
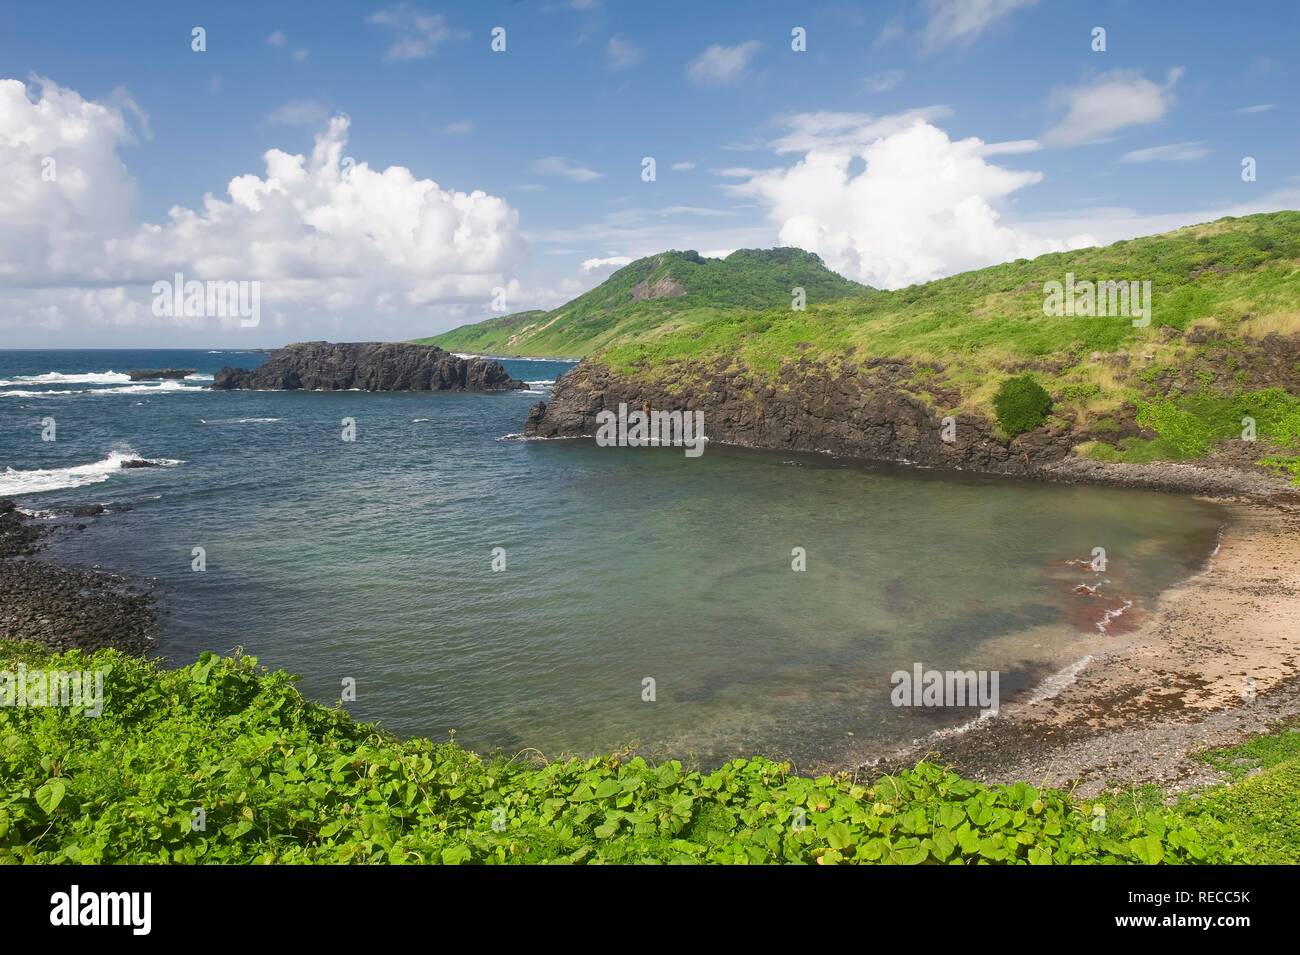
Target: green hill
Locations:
point(1222, 344)
point(656, 295)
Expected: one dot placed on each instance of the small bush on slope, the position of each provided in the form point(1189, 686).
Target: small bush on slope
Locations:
point(1022, 404)
point(282, 779)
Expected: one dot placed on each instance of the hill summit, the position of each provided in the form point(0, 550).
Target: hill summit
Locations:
point(654, 295)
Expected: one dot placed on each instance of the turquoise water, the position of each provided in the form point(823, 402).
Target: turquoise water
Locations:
point(372, 561)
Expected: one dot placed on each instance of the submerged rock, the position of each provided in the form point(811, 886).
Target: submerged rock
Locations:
point(368, 366)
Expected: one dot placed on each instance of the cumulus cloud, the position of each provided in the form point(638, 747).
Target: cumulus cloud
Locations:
point(1174, 152)
point(322, 233)
point(719, 65)
point(1111, 102)
point(922, 205)
point(826, 129)
point(62, 184)
point(955, 22)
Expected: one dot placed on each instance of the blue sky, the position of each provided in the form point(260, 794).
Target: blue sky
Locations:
point(769, 145)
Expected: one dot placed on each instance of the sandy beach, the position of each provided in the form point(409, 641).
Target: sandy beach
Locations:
point(1218, 660)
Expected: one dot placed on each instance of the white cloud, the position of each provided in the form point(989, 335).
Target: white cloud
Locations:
point(622, 54)
point(922, 206)
point(683, 166)
point(891, 32)
point(1174, 152)
point(823, 129)
point(882, 82)
point(1258, 108)
point(416, 34)
point(565, 169)
point(1111, 102)
point(277, 38)
point(719, 65)
point(461, 127)
point(612, 263)
point(299, 112)
point(53, 227)
point(954, 22)
point(1110, 224)
point(299, 56)
point(330, 239)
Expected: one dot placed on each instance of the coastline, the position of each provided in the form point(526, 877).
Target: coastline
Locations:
point(64, 607)
point(1217, 661)
point(1124, 709)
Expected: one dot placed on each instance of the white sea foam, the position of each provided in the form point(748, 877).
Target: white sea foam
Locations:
point(1103, 625)
point(520, 436)
point(55, 479)
point(168, 386)
point(58, 378)
point(54, 393)
point(239, 420)
point(1058, 681)
point(534, 384)
point(38, 514)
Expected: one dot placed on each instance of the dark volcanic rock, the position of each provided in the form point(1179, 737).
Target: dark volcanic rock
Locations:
point(17, 535)
point(872, 412)
point(67, 608)
point(861, 413)
point(154, 374)
point(368, 366)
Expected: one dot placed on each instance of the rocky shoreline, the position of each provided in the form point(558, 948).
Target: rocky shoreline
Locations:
point(867, 414)
point(67, 608)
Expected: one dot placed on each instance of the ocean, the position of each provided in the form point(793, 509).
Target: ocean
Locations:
point(567, 598)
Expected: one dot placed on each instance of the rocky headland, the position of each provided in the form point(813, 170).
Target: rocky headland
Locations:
point(368, 366)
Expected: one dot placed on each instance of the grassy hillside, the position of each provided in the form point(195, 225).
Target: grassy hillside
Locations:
point(281, 779)
point(1219, 290)
point(653, 296)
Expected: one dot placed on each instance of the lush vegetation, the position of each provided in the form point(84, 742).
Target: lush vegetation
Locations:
point(611, 313)
point(1218, 290)
point(1261, 809)
point(281, 779)
point(1022, 404)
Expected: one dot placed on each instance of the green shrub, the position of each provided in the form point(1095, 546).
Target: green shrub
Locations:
point(281, 779)
point(1022, 404)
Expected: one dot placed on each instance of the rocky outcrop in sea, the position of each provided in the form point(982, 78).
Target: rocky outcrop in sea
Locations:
point(368, 366)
